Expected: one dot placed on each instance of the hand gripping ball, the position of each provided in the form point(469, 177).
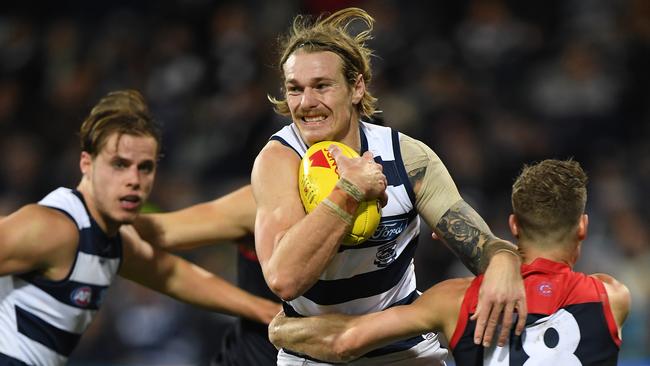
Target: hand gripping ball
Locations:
point(316, 179)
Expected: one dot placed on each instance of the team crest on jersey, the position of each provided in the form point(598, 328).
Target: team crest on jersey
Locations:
point(386, 254)
point(389, 230)
point(81, 296)
point(545, 289)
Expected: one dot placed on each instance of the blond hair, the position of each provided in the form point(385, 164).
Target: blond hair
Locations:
point(333, 34)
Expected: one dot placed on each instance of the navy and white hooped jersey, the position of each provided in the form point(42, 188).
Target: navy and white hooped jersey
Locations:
point(378, 273)
point(41, 321)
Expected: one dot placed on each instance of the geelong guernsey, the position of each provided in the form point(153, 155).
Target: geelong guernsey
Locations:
point(41, 321)
point(378, 273)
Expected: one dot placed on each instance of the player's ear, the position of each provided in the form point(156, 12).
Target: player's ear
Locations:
point(85, 162)
point(514, 226)
point(358, 89)
point(582, 227)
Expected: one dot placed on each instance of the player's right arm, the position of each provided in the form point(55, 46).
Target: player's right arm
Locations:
point(343, 338)
point(228, 217)
point(295, 248)
point(37, 238)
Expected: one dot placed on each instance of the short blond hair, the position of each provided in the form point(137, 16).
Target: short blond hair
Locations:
point(549, 198)
point(332, 34)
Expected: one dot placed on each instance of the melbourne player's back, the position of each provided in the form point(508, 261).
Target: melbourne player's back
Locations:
point(570, 322)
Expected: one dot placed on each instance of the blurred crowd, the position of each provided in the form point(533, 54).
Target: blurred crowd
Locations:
point(488, 84)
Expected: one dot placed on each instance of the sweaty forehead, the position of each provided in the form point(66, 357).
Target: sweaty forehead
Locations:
point(304, 66)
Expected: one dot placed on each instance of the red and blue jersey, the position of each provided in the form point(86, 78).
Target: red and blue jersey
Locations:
point(569, 322)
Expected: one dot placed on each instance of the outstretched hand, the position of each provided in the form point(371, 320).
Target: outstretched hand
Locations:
point(501, 294)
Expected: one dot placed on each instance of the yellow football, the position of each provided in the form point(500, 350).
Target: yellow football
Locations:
point(316, 179)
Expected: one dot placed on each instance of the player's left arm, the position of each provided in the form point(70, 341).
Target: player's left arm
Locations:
point(229, 217)
point(619, 298)
point(463, 230)
point(173, 276)
point(325, 336)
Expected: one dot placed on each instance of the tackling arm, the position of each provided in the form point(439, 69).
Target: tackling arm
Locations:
point(226, 218)
point(343, 338)
point(339, 337)
point(182, 280)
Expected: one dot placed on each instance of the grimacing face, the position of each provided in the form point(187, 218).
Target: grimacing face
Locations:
point(321, 102)
point(120, 178)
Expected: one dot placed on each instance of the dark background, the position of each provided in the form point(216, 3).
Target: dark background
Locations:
point(489, 85)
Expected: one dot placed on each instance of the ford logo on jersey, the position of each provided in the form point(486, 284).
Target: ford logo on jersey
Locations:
point(81, 296)
point(389, 230)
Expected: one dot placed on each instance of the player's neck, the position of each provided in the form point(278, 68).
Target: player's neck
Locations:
point(353, 136)
point(109, 227)
point(555, 253)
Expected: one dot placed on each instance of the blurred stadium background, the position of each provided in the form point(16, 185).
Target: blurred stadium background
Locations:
point(489, 85)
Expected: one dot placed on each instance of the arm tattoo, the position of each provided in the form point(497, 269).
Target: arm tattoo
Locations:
point(465, 233)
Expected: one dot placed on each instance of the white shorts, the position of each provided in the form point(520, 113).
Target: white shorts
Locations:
point(427, 352)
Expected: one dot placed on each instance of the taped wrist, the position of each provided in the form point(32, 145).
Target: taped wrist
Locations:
point(349, 188)
point(338, 211)
point(495, 247)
